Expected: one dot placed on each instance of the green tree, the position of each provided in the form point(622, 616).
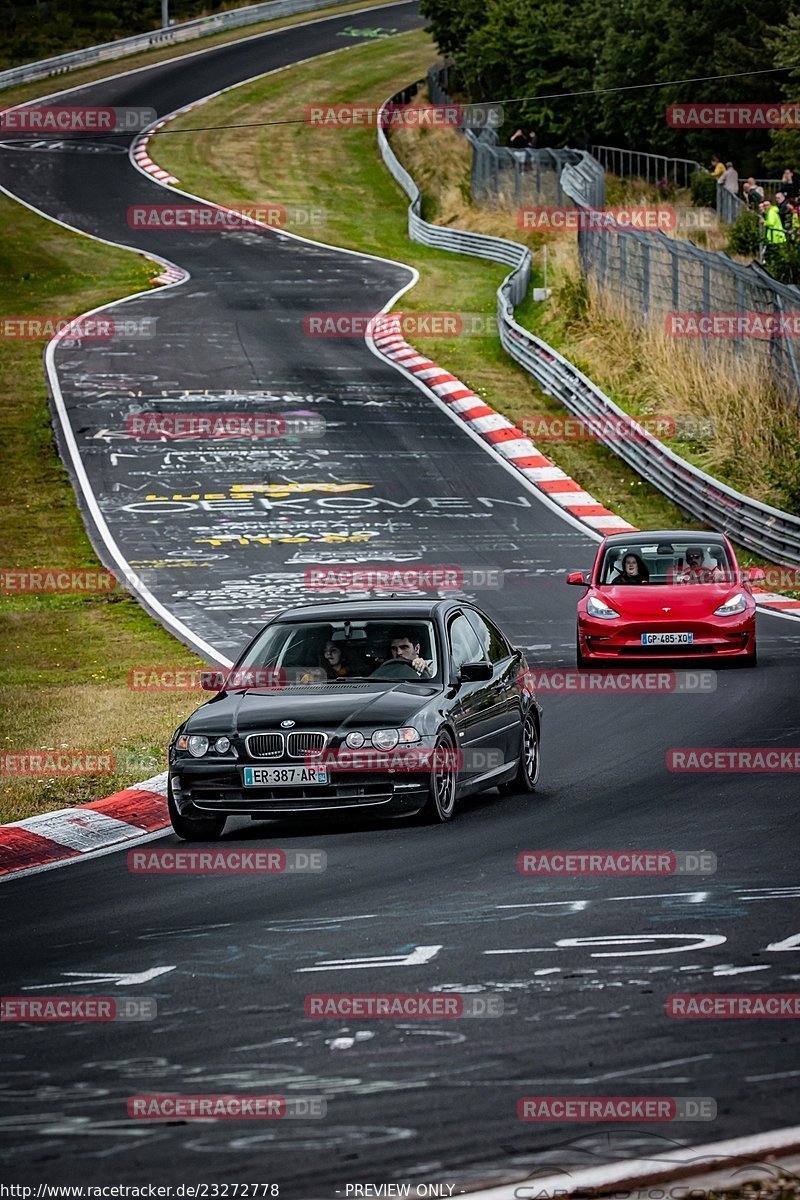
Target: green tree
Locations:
point(784, 43)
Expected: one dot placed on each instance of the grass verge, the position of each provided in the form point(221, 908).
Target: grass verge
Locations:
point(66, 658)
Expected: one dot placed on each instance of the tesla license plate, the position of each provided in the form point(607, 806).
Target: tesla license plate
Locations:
point(667, 639)
point(283, 776)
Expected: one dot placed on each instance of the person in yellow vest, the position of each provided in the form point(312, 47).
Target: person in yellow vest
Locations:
point(717, 168)
point(772, 231)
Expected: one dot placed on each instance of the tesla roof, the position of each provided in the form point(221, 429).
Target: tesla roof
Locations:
point(663, 535)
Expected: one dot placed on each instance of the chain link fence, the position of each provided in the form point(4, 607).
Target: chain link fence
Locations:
point(502, 176)
point(657, 278)
point(758, 526)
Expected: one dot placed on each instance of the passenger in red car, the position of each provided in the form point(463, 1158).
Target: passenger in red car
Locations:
point(634, 570)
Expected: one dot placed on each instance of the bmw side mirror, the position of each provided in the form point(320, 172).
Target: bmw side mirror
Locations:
point(577, 577)
point(475, 672)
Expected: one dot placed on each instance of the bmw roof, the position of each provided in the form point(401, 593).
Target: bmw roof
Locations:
point(387, 609)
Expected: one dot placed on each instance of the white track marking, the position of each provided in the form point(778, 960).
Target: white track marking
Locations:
point(118, 978)
point(419, 955)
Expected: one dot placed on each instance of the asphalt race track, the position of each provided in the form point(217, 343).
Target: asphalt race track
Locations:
point(229, 959)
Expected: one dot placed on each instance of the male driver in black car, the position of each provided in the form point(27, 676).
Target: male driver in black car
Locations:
point(403, 647)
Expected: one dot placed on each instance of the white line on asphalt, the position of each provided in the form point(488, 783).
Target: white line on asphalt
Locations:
point(420, 954)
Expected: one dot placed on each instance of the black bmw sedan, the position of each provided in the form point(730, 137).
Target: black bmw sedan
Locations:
point(383, 706)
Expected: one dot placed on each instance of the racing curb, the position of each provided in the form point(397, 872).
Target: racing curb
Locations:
point(50, 839)
point(625, 1179)
point(518, 450)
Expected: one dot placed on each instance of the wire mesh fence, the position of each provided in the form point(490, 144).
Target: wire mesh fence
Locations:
point(758, 526)
point(657, 278)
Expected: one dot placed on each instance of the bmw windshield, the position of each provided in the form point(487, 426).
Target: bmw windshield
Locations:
point(331, 652)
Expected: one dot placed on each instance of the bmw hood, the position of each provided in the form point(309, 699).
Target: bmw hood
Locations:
point(332, 707)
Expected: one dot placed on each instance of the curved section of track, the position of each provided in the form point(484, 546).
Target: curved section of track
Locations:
point(229, 959)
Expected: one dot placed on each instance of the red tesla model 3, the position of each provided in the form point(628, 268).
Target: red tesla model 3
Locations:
point(666, 594)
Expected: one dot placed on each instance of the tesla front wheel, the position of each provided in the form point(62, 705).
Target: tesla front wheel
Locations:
point(580, 657)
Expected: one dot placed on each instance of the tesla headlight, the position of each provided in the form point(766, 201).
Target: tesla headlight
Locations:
point(736, 604)
point(355, 740)
point(596, 607)
point(387, 739)
point(195, 743)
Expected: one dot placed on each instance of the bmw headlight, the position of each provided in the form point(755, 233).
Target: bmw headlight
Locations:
point(596, 607)
point(736, 604)
point(222, 745)
point(195, 743)
point(355, 740)
point(387, 739)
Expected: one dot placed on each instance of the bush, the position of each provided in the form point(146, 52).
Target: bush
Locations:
point(704, 190)
point(743, 235)
point(783, 262)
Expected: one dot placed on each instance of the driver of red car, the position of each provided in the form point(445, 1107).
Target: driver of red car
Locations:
point(403, 647)
point(695, 572)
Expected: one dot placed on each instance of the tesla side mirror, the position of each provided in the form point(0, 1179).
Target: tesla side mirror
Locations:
point(756, 574)
point(475, 672)
point(576, 577)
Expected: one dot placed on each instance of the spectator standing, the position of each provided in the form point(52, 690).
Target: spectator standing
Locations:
point(784, 211)
point(774, 233)
point(753, 194)
point(789, 185)
point(717, 167)
point(794, 220)
point(730, 179)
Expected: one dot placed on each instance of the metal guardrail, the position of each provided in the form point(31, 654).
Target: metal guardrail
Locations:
point(728, 205)
point(504, 175)
point(459, 241)
point(183, 32)
point(759, 527)
point(654, 168)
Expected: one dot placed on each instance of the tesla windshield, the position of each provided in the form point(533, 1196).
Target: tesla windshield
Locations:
point(667, 563)
point(327, 652)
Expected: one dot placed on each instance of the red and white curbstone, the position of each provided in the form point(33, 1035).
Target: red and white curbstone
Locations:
point(49, 839)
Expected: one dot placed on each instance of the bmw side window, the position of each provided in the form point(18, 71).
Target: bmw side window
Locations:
point(495, 646)
point(464, 645)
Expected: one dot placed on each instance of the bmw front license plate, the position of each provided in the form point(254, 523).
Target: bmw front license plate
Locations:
point(284, 776)
point(667, 639)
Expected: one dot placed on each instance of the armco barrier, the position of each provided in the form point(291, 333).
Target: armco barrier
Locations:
point(183, 32)
point(759, 527)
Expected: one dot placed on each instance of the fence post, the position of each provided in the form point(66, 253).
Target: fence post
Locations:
point(645, 277)
point(676, 279)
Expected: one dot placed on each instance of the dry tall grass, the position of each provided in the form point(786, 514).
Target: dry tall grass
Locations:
point(756, 436)
point(754, 431)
